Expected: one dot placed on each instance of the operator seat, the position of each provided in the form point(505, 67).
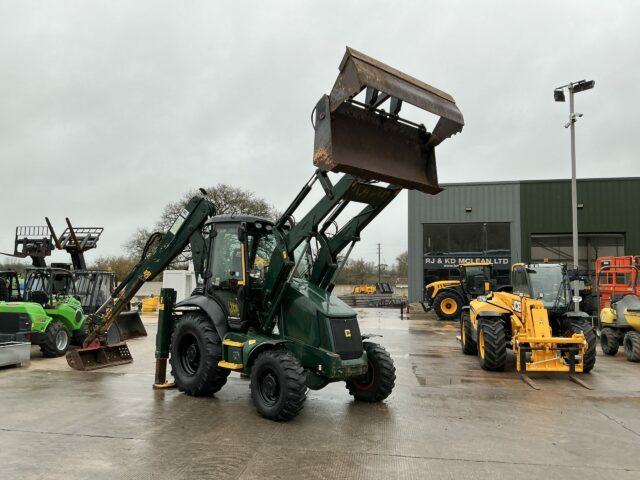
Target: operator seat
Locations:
point(38, 296)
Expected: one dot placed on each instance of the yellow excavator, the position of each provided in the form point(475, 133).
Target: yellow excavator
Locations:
point(535, 320)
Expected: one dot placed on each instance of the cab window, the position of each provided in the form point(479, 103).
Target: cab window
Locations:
point(519, 281)
point(226, 258)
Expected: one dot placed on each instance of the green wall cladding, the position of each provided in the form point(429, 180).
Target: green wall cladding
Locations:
point(609, 206)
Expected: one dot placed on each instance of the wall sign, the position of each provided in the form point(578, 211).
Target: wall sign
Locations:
point(452, 260)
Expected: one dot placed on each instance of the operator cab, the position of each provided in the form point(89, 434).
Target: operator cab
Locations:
point(43, 285)
point(240, 248)
point(9, 287)
point(476, 276)
point(93, 287)
point(544, 281)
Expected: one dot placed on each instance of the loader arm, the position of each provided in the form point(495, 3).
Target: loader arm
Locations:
point(366, 144)
point(187, 227)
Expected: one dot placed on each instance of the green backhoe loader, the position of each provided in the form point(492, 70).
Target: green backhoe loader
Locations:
point(263, 306)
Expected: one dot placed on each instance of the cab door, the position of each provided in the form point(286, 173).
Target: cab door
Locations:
point(227, 269)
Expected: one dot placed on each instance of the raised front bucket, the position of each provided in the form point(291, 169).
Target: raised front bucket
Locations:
point(361, 139)
point(94, 357)
point(130, 325)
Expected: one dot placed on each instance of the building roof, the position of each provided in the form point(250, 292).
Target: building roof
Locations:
point(550, 180)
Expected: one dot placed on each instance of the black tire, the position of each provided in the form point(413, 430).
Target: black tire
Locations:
point(609, 341)
point(196, 349)
point(468, 344)
point(590, 336)
point(492, 346)
point(278, 385)
point(380, 379)
point(56, 340)
point(632, 346)
point(447, 305)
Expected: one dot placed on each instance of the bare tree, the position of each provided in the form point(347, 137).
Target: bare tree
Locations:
point(402, 265)
point(227, 199)
point(119, 265)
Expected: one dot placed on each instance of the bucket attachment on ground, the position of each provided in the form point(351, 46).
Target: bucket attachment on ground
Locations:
point(99, 356)
point(130, 325)
point(361, 139)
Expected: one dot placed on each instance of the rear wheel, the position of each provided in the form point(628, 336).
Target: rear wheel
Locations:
point(469, 346)
point(196, 349)
point(380, 379)
point(278, 385)
point(632, 346)
point(447, 305)
point(492, 346)
point(56, 340)
point(589, 359)
point(609, 341)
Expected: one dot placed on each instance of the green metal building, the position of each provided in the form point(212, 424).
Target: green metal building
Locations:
point(522, 221)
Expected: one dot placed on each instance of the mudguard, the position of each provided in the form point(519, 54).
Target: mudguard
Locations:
point(211, 307)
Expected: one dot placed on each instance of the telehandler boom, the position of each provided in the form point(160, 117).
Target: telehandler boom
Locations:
point(264, 305)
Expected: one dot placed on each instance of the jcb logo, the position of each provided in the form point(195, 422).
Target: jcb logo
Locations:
point(347, 333)
point(517, 306)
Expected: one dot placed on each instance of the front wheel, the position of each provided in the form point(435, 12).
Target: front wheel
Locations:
point(632, 346)
point(278, 385)
point(196, 349)
point(447, 305)
point(492, 346)
point(589, 359)
point(56, 340)
point(609, 341)
point(380, 378)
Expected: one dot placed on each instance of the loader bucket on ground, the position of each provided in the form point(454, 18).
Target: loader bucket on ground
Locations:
point(95, 357)
point(361, 139)
point(130, 325)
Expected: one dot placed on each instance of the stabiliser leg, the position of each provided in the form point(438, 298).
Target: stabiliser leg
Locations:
point(163, 337)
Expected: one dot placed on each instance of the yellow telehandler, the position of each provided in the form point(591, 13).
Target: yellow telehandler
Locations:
point(535, 320)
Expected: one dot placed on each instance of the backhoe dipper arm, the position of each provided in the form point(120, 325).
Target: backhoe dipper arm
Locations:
point(188, 224)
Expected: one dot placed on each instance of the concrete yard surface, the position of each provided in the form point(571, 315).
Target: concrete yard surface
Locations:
point(446, 419)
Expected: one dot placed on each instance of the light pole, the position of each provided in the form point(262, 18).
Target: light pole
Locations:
point(558, 95)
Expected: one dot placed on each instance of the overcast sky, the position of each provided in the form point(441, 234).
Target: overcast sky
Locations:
point(109, 110)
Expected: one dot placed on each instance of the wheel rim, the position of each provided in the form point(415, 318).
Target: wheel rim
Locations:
point(189, 354)
point(62, 340)
point(481, 343)
point(463, 336)
point(449, 306)
point(369, 381)
point(269, 387)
